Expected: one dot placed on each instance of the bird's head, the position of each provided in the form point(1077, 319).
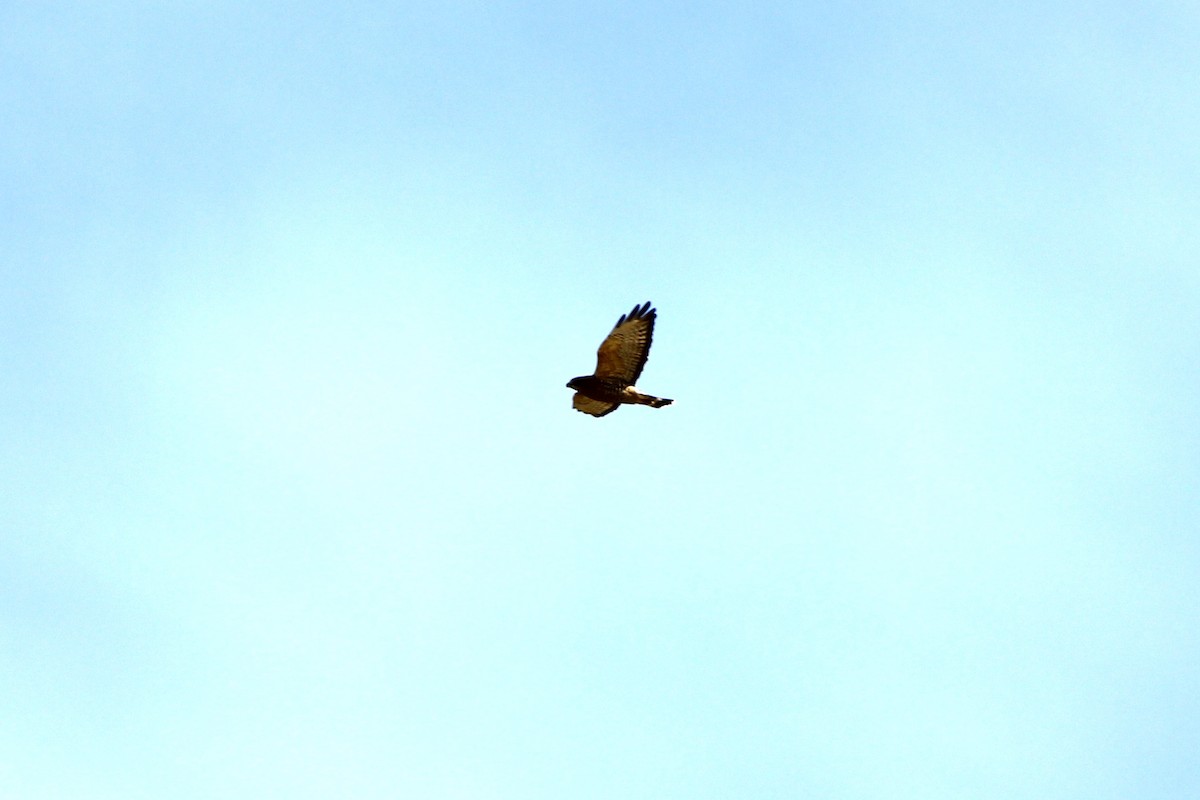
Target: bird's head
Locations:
point(575, 383)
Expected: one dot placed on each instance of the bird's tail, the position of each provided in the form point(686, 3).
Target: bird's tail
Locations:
point(653, 402)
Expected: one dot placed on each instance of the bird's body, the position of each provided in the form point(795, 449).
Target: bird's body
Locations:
point(619, 362)
point(614, 390)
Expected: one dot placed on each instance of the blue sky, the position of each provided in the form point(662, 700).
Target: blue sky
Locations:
point(295, 504)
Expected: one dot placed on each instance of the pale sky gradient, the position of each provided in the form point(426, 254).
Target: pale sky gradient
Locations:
point(294, 503)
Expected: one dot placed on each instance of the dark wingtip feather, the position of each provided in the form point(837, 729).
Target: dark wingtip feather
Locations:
point(643, 311)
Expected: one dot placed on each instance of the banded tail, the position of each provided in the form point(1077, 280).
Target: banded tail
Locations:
point(652, 401)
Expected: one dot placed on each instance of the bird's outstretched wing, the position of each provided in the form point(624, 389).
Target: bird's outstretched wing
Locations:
point(624, 352)
point(597, 408)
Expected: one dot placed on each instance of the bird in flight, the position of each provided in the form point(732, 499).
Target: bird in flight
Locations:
point(619, 362)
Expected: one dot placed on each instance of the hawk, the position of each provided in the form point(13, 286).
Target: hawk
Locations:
point(619, 362)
